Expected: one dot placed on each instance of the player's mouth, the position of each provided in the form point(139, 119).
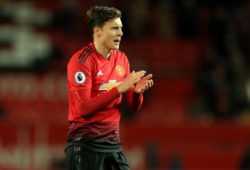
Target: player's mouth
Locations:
point(117, 41)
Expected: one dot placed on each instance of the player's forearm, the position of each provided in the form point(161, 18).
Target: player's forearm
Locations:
point(90, 107)
point(134, 100)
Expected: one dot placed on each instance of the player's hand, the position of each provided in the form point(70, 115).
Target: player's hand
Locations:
point(133, 78)
point(144, 84)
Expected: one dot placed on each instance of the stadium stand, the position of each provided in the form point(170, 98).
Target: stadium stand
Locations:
point(33, 123)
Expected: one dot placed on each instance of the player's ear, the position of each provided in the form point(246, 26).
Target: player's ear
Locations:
point(97, 31)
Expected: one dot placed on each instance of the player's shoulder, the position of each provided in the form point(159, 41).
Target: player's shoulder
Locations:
point(82, 55)
point(120, 54)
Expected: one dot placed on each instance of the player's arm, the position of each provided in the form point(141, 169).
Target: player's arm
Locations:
point(133, 100)
point(80, 86)
point(85, 104)
point(133, 96)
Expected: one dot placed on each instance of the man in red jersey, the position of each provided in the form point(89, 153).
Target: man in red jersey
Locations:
point(98, 78)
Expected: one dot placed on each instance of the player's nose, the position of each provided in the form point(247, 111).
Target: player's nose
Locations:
point(120, 33)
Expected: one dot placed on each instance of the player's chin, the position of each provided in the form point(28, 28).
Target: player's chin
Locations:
point(115, 47)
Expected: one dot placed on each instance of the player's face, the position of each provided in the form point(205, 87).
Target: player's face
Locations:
point(111, 34)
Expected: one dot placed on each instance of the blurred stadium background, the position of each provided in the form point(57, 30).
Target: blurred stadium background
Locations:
point(197, 115)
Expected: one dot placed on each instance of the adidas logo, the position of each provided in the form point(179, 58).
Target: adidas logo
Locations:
point(100, 73)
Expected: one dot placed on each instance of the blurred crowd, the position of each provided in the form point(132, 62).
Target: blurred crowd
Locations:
point(221, 28)
point(39, 37)
point(223, 80)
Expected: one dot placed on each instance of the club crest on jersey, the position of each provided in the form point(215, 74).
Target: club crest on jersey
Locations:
point(80, 77)
point(120, 70)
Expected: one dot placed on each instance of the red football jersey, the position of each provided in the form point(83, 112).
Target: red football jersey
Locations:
point(93, 96)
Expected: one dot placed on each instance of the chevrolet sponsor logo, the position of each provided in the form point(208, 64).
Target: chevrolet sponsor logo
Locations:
point(108, 86)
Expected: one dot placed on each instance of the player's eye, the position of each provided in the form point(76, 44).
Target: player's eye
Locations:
point(116, 28)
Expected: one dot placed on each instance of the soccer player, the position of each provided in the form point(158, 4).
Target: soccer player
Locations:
point(98, 78)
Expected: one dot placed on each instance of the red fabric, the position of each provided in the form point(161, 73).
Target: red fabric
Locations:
point(91, 86)
point(133, 100)
point(93, 105)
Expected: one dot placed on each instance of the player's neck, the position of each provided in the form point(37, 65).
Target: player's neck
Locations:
point(102, 50)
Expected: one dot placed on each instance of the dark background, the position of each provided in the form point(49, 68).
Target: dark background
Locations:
point(195, 117)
